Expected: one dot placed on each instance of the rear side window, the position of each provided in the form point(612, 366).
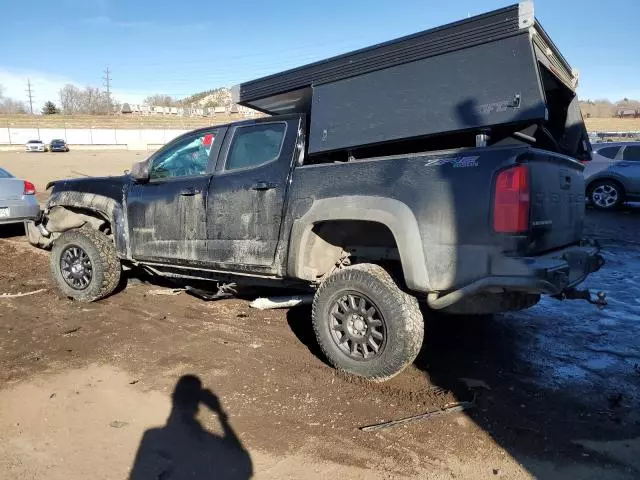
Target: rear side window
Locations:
point(631, 153)
point(255, 145)
point(5, 174)
point(608, 152)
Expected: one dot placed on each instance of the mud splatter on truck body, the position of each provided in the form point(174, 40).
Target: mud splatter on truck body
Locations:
point(371, 214)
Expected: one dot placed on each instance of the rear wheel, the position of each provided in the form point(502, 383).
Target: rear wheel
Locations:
point(85, 265)
point(606, 194)
point(366, 325)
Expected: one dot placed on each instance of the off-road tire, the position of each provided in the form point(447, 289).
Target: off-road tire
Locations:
point(104, 259)
point(401, 315)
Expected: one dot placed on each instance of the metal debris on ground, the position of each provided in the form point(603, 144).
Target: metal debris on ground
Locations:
point(457, 407)
point(224, 290)
point(166, 291)
point(439, 391)
point(472, 383)
point(20, 294)
point(281, 302)
point(71, 330)
point(118, 424)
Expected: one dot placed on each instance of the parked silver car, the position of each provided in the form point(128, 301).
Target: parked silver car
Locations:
point(613, 176)
point(17, 199)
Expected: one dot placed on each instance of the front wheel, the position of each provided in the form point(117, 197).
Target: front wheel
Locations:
point(366, 325)
point(606, 195)
point(85, 265)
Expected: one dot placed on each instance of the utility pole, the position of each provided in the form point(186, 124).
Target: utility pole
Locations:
point(30, 94)
point(107, 86)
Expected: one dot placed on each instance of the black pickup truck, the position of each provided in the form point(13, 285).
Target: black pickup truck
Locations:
point(476, 205)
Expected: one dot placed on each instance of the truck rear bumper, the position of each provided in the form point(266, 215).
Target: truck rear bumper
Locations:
point(551, 274)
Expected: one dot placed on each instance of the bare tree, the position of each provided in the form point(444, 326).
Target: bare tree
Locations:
point(160, 100)
point(627, 103)
point(8, 105)
point(71, 99)
point(89, 100)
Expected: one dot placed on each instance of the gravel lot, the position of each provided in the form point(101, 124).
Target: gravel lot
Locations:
point(87, 391)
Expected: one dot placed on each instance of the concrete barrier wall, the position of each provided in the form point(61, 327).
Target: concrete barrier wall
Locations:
point(73, 136)
point(22, 135)
point(133, 139)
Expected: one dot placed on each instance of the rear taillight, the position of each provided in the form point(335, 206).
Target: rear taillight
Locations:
point(29, 188)
point(511, 201)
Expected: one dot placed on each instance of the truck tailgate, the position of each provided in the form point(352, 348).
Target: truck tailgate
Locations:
point(557, 201)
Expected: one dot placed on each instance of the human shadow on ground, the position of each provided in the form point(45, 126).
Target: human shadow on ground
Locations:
point(184, 449)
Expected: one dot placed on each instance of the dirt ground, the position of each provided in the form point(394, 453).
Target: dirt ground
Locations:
point(143, 385)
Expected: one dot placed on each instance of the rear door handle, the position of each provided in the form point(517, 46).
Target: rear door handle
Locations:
point(189, 192)
point(263, 186)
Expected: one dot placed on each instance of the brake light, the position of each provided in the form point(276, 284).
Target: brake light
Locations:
point(29, 188)
point(511, 201)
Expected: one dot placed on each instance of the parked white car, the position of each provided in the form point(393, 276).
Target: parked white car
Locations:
point(35, 146)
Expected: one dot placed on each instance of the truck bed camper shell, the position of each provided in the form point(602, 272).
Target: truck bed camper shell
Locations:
point(498, 75)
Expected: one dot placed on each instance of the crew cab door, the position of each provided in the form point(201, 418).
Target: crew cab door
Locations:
point(248, 191)
point(167, 215)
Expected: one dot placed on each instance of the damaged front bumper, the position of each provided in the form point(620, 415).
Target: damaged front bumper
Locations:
point(54, 220)
point(556, 273)
point(37, 234)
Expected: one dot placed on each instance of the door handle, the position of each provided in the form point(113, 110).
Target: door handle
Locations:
point(189, 192)
point(263, 186)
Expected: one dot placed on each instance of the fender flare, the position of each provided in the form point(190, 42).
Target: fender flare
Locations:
point(105, 206)
point(395, 215)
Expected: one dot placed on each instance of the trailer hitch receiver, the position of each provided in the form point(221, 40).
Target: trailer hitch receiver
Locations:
point(599, 299)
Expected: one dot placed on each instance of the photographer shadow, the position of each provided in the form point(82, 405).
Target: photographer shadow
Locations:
point(184, 449)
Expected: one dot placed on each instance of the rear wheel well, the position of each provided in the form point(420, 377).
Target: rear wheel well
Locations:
point(336, 243)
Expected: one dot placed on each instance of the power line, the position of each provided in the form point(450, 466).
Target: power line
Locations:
point(30, 95)
point(107, 85)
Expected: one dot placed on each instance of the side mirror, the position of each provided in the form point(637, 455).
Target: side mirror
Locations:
point(140, 172)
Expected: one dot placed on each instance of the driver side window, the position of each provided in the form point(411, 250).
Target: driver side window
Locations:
point(188, 157)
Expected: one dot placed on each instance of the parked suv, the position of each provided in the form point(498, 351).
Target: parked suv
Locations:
point(613, 175)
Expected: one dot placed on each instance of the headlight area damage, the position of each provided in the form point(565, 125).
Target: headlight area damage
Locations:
point(59, 219)
point(68, 210)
